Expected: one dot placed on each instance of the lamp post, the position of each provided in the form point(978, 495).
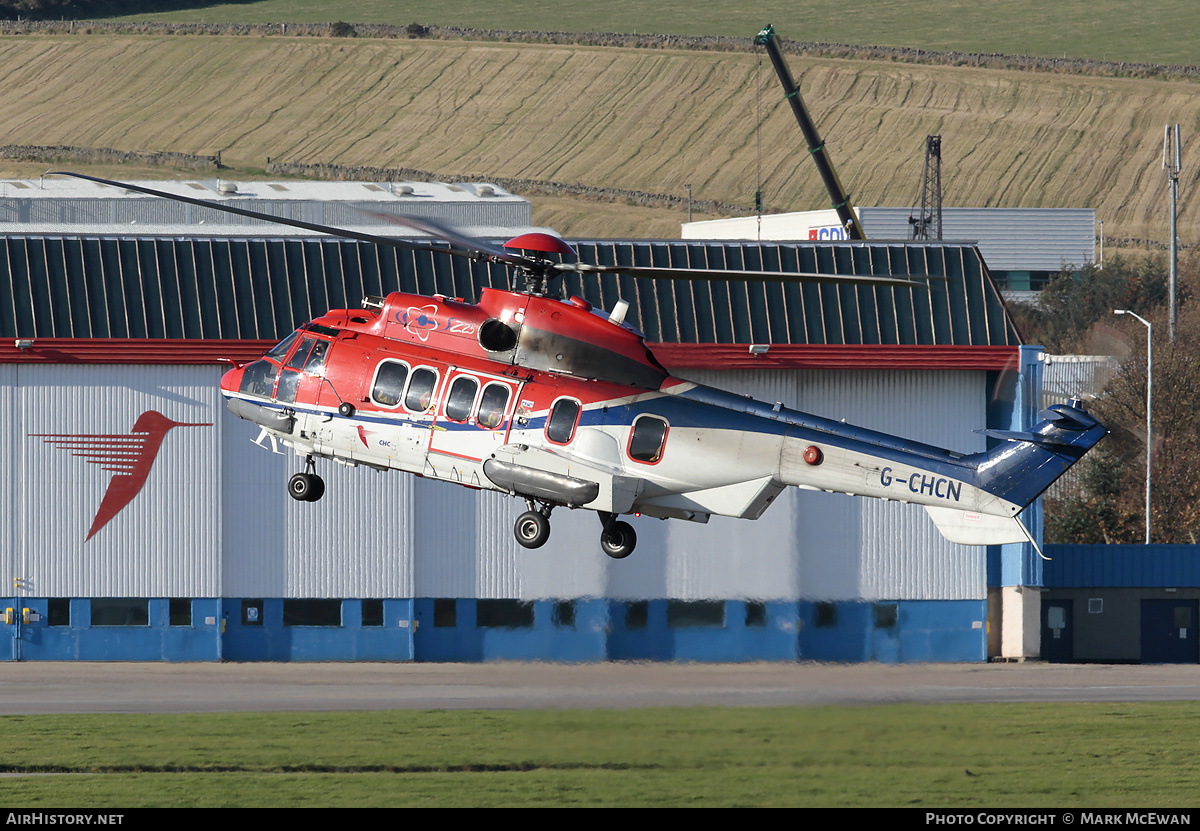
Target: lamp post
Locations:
point(1149, 395)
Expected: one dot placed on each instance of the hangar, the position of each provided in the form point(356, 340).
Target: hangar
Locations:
point(210, 560)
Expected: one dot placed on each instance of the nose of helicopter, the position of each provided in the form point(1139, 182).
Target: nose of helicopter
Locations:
point(232, 380)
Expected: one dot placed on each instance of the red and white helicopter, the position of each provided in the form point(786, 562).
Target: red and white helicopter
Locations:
point(563, 405)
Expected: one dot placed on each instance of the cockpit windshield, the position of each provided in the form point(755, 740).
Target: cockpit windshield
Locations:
point(280, 350)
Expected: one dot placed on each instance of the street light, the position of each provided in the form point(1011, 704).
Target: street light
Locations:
point(1149, 394)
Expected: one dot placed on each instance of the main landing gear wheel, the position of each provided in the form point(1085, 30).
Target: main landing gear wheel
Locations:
point(532, 529)
point(618, 539)
point(307, 486)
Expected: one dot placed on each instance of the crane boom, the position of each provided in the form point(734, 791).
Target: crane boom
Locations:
point(816, 147)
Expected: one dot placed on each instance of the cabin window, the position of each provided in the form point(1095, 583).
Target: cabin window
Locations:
point(259, 379)
point(420, 390)
point(389, 383)
point(564, 415)
point(461, 398)
point(491, 406)
point(647, 439)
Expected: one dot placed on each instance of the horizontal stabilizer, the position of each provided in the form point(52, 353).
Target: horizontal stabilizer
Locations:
point(972, 528)
point(1016, 435)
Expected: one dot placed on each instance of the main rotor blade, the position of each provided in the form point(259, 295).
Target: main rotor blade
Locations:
point(456, 237)
point(654, 273)
point(295, 223)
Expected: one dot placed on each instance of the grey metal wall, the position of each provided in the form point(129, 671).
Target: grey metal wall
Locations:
point(214, 519)
point(1011, 239)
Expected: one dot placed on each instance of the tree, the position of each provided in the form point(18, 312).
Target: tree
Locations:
point(1109, 504)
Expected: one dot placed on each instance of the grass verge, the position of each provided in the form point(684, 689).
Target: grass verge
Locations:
point(1038, 755)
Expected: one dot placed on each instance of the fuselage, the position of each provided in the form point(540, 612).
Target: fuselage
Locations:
point(536, 407)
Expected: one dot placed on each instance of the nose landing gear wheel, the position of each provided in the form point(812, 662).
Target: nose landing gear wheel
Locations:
point(618, 539)
point(532, 529)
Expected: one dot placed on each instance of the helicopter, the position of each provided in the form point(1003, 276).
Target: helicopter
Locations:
point(563, 405)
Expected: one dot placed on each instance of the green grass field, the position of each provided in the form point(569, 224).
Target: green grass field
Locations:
point(1085, 755)
point(1153, 31)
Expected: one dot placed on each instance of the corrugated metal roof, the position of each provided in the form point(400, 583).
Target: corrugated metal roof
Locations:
point(73, 206)
point(1121, 566)
point(250, 289)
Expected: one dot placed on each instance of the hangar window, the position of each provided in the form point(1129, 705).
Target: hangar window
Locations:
point(389, 383)
point(120, 611)
point(58, 611)
point(826, 615)
point(507, 614)
point(647, 438)
point(564, 614)
point(445, 612)
point(564, 415)
point(687, 613)
point(461, 398)
point(310, 611)
point(372, 612)
point(180, 611)
point(756, 613)
point(886, 615)
point(420, 390)
point(637, 614)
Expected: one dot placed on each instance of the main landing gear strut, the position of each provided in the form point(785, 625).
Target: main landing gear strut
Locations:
point(307, 486)
point(532, 529)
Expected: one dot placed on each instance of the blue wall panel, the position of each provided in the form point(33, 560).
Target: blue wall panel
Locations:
point(925, 630)
point(1122, 566)
point(598, 630)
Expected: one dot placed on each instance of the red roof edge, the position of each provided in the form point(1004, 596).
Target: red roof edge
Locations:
point(672, 355)
point(808, 356)
point(131, 351)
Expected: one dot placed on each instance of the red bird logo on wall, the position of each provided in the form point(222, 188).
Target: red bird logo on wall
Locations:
point(129, 457)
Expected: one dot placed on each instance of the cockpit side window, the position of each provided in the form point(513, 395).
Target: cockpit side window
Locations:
point(316, 358)
point(301, 353)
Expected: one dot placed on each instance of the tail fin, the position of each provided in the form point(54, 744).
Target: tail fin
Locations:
point(1029, 462)
point(1019, 470)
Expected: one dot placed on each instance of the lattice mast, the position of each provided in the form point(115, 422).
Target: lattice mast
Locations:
point(928, 224)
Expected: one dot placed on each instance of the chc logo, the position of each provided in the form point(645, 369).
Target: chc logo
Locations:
point(128, 457)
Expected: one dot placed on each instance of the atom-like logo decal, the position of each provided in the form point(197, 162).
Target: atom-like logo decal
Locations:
point(419, 320)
